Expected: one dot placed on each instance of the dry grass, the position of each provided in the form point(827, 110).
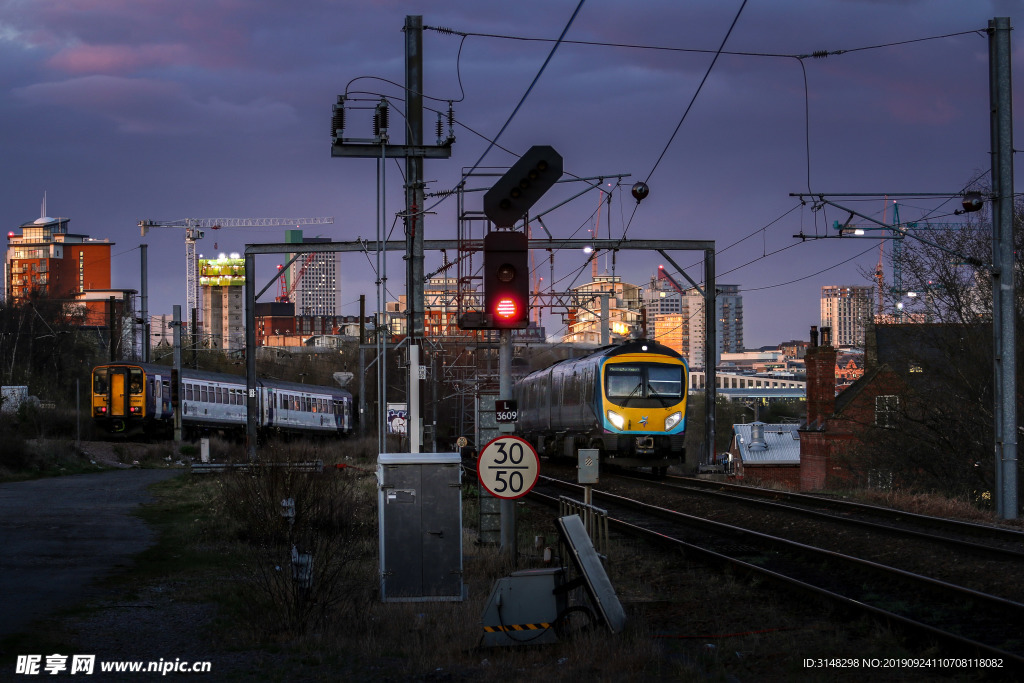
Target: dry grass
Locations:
point(933, 505)
point(341, 623)
point(222, 537)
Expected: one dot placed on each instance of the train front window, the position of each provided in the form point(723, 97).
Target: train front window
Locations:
point(665, 381)
point(100, 381)
point(623, 381)
point(643, 385)
point(135, 380)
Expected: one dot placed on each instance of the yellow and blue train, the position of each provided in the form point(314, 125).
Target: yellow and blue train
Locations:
point(135, 398)
point(627, 400)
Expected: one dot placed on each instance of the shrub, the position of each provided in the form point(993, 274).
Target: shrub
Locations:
point(324, 527)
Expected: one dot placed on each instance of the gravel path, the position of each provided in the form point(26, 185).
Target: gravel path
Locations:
point(58, 535)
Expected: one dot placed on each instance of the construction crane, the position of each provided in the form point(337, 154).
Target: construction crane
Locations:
point(898, 231)
point(193, 233)
point(663, 275)
point(285, 293)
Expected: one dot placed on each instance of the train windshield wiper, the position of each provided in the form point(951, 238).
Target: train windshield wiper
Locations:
point(633, 393)
point(653, 393)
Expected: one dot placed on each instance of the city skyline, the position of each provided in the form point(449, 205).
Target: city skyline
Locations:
point(225, 114)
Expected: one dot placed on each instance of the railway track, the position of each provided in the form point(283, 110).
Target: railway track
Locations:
point(969, 621)
point(976, 538)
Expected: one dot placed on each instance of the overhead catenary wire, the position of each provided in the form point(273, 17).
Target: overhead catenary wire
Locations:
point(801, 57)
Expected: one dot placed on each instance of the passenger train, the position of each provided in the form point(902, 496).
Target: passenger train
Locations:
point(132, 398)
point(628, 401)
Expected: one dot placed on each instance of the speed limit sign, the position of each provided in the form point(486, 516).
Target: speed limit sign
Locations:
point(508, 467)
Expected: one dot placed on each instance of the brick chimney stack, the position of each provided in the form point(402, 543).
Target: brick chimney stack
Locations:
point(820, 362)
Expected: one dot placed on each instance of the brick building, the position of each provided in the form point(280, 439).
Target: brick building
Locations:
point(903, 368)
point(47, 260)
point(766, 454)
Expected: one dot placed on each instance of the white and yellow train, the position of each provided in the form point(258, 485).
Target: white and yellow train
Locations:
point(628, 401)
point(136, 398)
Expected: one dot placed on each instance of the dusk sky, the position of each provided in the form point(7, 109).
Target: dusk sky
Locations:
point(120, 110)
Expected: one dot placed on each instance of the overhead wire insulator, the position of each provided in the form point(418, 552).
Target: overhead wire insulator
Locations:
point(338, 119)
point(440, 128)
point(384, 113)
point(451, 121)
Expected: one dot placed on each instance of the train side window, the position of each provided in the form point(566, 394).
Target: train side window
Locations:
point(188, 392)
point(204, 394)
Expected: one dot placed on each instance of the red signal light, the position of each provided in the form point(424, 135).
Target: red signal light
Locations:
point(506, 308)
point(506, 280)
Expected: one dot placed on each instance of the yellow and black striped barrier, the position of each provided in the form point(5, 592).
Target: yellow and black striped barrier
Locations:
point(516, 627)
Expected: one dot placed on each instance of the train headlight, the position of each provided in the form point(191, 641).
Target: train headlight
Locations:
point(616, 419)
point(672, 420)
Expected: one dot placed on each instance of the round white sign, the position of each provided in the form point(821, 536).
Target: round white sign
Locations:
point(508, 467)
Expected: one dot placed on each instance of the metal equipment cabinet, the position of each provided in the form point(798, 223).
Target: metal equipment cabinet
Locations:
point(420, 513)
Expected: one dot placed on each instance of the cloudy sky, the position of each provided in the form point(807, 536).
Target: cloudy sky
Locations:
point(122, 110)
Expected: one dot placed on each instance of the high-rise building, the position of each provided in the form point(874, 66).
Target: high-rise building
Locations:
point(314, 278)
point(675, 317)
point(222, 284)
point(623, 310)
point(847, 309)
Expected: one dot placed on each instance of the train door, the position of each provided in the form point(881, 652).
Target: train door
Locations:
point(118, 392)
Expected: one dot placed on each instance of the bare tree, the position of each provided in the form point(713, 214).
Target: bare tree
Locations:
point(941, 435)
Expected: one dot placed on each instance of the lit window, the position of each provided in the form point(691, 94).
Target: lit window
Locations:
point(887, 411)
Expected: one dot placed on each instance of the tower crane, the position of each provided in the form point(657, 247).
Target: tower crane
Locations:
point(193, 233)
point(286, 293)
point(663, 275)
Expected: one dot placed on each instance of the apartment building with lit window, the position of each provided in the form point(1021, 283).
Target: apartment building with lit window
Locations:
point(847, 309)
point(47, 260)
point(675, 317)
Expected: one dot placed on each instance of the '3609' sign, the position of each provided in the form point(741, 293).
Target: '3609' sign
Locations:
point(508, 467)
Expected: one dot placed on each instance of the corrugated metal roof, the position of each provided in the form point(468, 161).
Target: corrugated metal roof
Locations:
point(781, 440)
